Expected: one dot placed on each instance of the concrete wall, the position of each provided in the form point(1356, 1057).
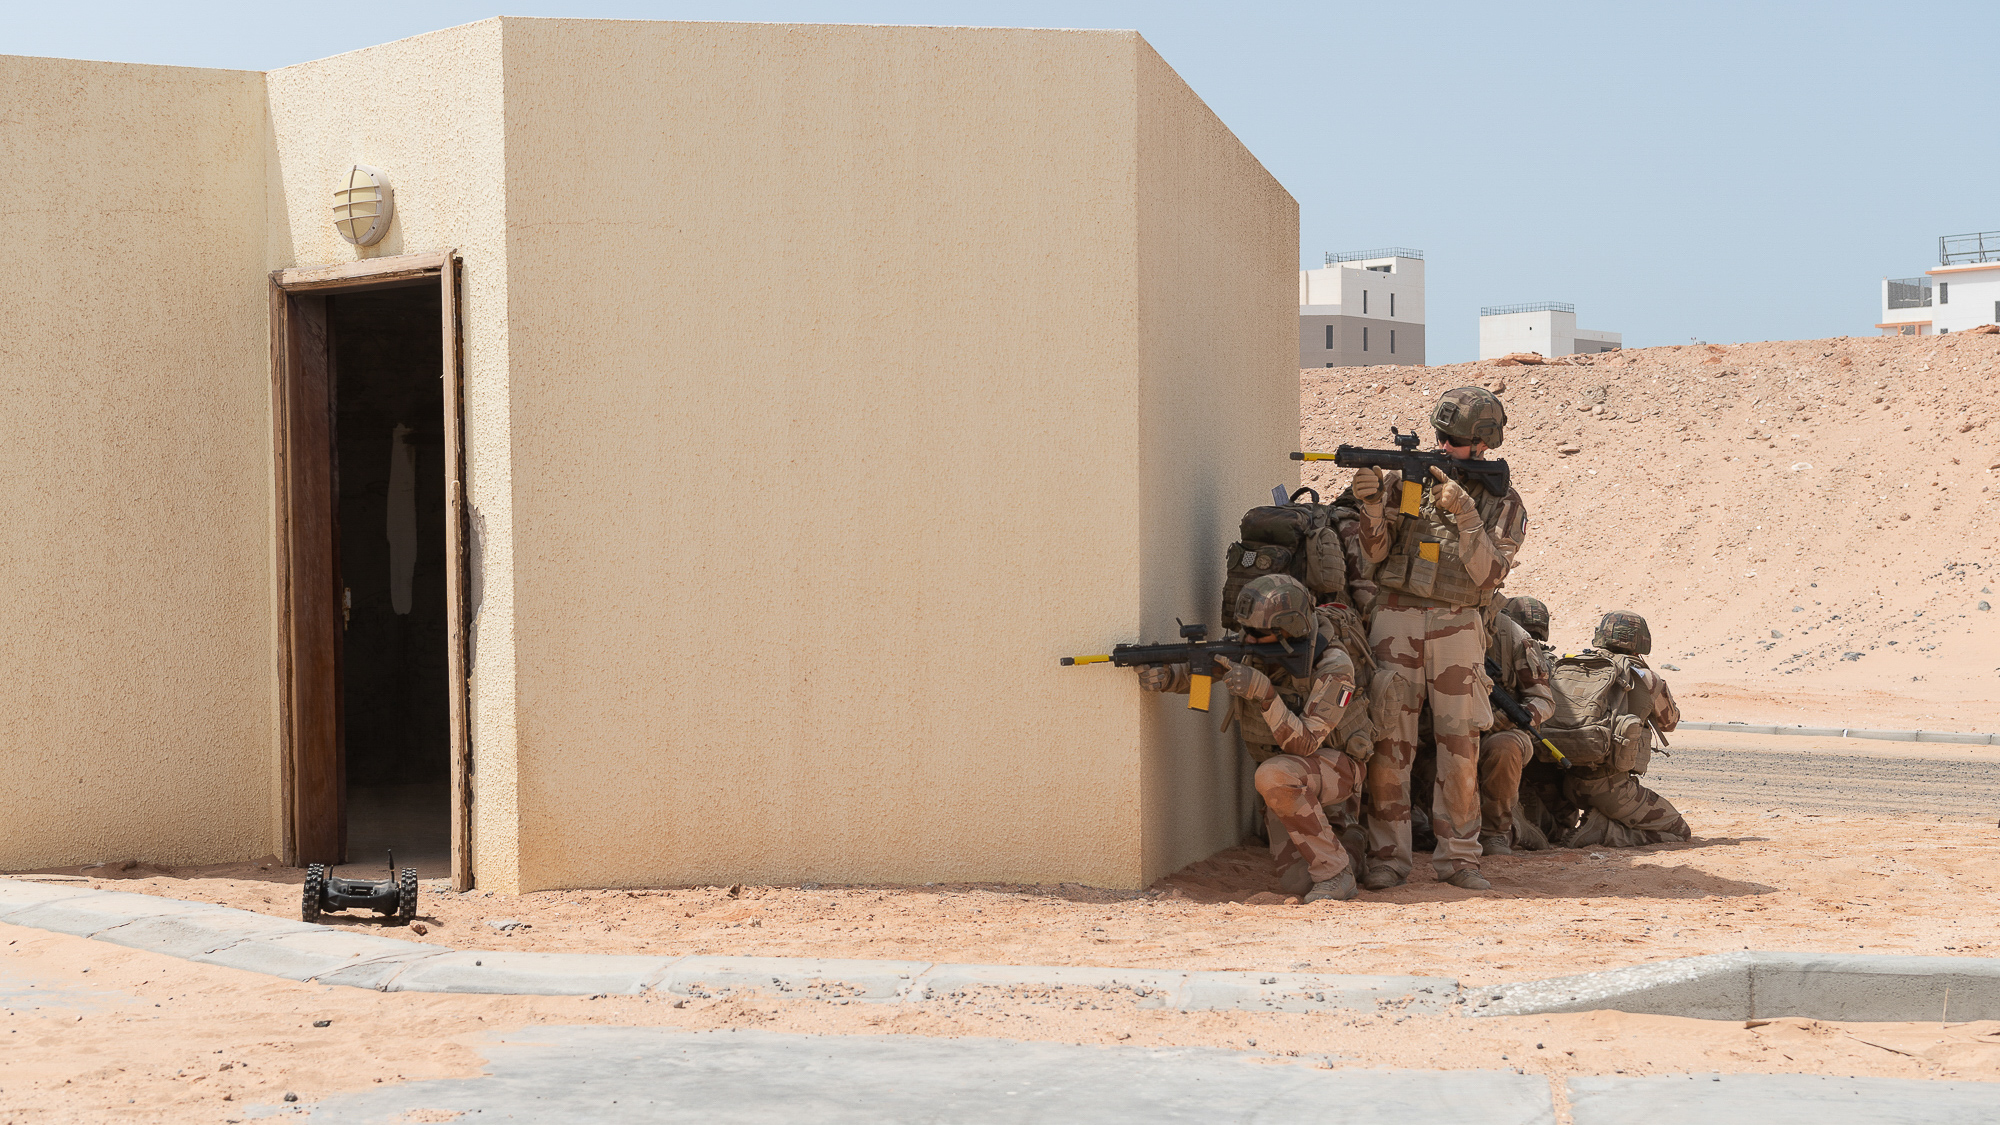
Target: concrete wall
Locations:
point(137, 689)
point(1537, 332)
point(1591, 340)
point(1973, 298)
point(753, 602)
point(1218, 417)
point(1350, 296)
point(429, 112)
point(1351, 348)
point(790, 591)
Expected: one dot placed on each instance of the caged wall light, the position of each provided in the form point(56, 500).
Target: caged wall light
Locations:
point(363, 205)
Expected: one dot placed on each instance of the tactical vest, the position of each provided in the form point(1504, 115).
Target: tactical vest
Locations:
point(1424, 560)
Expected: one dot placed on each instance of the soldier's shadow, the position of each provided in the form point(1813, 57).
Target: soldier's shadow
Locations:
point(1240, 873)
point(1634, 873)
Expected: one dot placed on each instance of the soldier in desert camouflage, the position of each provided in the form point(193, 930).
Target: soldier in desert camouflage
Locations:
point(1546, 814)
point(1532, 615)
point(1434, 571)
point(1623, 813)
point(1309, 757)
point(1507, 749)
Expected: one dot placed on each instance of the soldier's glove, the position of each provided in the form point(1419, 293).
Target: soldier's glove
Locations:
point(1245, 682)
point(1358, 748)
point(1156, 677)
point(1368, 488)
point(1451, 498)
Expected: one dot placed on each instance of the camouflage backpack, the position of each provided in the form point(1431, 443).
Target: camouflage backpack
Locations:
point(1289, 538)
point(1601, 707)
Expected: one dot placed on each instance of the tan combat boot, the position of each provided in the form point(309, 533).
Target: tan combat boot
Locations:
point(1381, 879)
point(1469, 879)
point(1340, 888)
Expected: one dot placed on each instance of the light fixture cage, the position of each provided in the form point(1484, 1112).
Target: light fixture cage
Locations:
point(363, 205)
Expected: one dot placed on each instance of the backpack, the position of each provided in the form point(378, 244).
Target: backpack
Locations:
point(1601, 709)
point(1289, 538)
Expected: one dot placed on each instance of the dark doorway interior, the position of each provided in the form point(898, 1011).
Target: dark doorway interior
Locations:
point(389, 485)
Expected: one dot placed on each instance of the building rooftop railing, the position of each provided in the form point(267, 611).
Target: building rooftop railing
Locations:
point(1384, 252)
point(1967, 249)
point(1532, 306)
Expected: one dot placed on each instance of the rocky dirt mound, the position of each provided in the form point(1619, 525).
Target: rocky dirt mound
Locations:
point(1810, 526)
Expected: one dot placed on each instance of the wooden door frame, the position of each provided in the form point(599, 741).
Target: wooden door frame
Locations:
point(303, 400)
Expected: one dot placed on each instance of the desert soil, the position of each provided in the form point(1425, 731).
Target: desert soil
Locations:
point(1809, 526)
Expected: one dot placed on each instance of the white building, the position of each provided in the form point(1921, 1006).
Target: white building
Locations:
point(1366, 307)
point(1962, 292)
point(1547, 328)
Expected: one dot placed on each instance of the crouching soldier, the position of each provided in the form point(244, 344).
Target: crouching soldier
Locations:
point(1294, 726)
point(1506, 749)
point(1609, 703)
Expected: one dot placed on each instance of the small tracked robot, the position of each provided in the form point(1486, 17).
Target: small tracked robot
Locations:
point(395, 897)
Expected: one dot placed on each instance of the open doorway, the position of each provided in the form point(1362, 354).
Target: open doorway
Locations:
point(372, 557)
point(389, 492)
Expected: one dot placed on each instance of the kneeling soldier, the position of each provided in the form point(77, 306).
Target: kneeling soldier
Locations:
point(1292, 721)
point(1506, 749)
point(1622, 812)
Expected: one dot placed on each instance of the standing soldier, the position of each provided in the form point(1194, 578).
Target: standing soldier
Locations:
point(1608, 704)
point(1435, 569)
point(1507, 749)
point(1293, 727)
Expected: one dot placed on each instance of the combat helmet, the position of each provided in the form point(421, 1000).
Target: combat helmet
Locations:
point(1623, 631)
point(1470, 414)
point(1275, 603)
point(1531, 615)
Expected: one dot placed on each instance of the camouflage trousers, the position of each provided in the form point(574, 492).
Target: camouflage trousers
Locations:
point(1502, 755)
point(1623, 813)
point(1436, 655)
point(1296, 791)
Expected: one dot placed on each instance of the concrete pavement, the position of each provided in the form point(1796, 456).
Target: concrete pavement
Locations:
point(620, 1075)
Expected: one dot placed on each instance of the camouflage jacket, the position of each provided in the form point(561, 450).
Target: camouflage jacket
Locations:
point(1524, 670)
point(1666, 713)
point(1301, 717)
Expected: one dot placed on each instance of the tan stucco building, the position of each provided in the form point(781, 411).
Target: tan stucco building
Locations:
point(696, 484)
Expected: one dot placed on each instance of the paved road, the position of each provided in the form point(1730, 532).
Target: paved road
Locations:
point(1828, 783)
point(618, 1075)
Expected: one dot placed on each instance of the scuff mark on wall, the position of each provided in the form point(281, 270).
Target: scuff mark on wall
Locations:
point(475, 581)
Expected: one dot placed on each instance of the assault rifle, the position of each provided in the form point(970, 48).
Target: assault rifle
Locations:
point(1416, 467)
point(1504, 700)
point(1199, 655)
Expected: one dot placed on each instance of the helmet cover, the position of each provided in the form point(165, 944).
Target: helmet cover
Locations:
point(1623, 631)
point(1529, 614)
point(1275, 603)
point(1470, 414)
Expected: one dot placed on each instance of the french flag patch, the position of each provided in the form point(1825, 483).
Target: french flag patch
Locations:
point(1345, 695)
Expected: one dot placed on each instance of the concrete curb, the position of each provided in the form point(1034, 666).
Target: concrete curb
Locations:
point(1753, 985)
point(241, 939)
point(1723, 986)
point(1961, 737)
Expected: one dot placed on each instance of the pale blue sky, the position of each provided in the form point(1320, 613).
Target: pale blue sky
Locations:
point(1723, 171)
